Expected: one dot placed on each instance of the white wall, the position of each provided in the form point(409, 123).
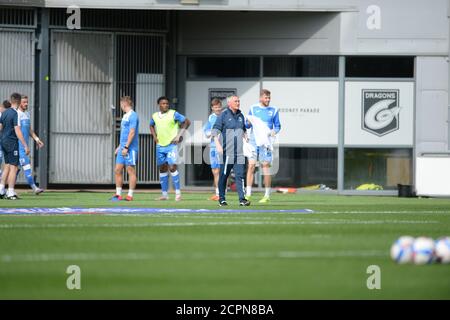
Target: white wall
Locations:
point(308, 111)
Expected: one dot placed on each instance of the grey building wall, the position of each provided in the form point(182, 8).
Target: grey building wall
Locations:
point(266, 5)
point(17, 70)
point(406, 27)
point(17, 63)
point(431, 104)
point(90, 70)
point(299, 27)
point(258, 33)
point(417, 28)
point(80, 114)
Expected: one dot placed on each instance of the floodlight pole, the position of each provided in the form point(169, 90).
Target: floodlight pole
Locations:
point(43, 97)
point(341, 125)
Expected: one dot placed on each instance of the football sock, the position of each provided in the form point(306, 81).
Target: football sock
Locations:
point(164, 180)
point(11, 192)
point(29, 176)
point(176, 180)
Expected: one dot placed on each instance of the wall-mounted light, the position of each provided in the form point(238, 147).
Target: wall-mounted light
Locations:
point(189, 1)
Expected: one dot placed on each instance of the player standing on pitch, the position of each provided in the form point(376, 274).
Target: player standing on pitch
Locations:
point(11, 135)
point(3, 106)
point(230, 126)
point(214, 157)
point(24, 122)
point(270, 116)
point(127, 151)
point(167, 127)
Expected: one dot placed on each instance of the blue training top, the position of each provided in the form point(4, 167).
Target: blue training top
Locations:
point(24, 122)
point(130, 121)
point(208, 127)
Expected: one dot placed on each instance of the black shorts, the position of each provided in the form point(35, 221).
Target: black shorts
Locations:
point(11, 153)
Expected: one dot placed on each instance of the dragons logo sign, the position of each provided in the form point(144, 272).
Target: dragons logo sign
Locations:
point(380, 111)
point(220, 93)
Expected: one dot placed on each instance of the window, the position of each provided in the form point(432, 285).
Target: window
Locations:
point(379, 67)
point(381, 167)
point(223, 67)
point(307, 167)
point(297, 167)
point(198, 174)
point(305, 66)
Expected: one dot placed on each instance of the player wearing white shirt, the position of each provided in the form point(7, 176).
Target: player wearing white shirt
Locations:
point(262, 153)
point(24, 122)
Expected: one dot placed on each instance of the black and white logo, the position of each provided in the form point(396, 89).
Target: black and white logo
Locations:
point(380, 111)
point(220, 93)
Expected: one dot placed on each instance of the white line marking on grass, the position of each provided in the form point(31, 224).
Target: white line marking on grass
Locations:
point(136, 210)
point(383, 212)
point(222, 215)
point(127, 256)
point(236, 218)
point(205, 223)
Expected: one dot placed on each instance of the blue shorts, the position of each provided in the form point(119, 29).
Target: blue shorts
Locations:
point(11, 153)
point(129, 160)
point(24, 160)
point(167, 154)
point(214, 158)
point(261, 154)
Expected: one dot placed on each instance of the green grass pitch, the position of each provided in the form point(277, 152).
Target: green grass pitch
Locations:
point(322, 255)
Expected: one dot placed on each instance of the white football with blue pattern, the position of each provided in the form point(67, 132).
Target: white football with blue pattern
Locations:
point(401, 250)
point(442, 250)
point(423, 250)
